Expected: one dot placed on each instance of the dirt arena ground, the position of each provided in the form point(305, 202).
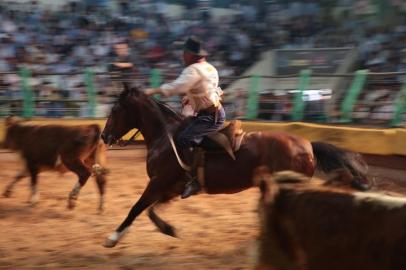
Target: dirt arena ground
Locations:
point(216, 232)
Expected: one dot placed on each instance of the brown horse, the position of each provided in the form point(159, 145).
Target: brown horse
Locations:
point(260, 153)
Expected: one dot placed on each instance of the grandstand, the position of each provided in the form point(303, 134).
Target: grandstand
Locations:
point(341, 61)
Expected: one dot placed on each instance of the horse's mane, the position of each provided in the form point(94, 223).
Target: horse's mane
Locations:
point(163, 108)
point(166, 110)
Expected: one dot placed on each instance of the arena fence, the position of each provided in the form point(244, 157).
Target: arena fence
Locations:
point(346, 102)
point(95, 91)
point(376, 141)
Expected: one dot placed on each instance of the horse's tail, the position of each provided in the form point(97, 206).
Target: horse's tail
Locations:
point(331, 158)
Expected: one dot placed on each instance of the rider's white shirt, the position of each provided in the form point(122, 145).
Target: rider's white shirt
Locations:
point(199, 82)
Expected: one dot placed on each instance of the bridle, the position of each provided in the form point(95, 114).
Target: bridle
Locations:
point(124, 143)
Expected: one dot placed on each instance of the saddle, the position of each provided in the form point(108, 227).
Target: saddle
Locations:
point(228, 138)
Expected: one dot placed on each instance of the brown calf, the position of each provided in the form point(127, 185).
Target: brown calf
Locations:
point(59, 148)
point(305, 225)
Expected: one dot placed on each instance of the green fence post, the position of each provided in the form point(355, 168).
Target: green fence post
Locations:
point(91, 93)
point(298, 106)
point(28, 102)
point(155, 80)
point(399, 107)
point(352, 95)
point(253, 92)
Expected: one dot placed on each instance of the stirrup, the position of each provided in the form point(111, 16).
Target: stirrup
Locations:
point(192, 187)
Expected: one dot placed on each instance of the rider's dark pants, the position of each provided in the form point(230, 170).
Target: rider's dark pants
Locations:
point(205, 122)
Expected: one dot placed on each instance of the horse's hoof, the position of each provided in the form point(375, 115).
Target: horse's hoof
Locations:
point(113, 239)
point(169, 230)
point(110, 243)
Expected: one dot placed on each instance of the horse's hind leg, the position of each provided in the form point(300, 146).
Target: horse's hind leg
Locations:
point(150, 196)
point(161, 224)
point(7, 192)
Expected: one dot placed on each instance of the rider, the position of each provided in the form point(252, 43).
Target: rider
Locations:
point(199, 83)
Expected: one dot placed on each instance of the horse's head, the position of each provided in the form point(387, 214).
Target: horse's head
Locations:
point(122, 117)
point(133, 109)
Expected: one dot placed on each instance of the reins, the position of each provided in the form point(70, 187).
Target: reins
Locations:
point(158, 105)
point(170, 137)
point(124, 143)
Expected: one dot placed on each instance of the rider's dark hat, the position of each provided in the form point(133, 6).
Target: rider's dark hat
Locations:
point(195, 46)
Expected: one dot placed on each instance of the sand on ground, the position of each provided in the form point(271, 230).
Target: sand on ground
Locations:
point(215, 231)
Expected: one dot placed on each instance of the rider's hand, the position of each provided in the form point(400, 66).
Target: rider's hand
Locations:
point(185, 101)
point(151, 91)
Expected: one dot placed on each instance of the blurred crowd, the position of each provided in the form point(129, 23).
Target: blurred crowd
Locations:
point(90, 34)
point(84, 35)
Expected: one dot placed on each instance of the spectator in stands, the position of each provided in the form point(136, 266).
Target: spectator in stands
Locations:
point(266, 105)
point(80, 36)
point(122, 63)
point(287, 107)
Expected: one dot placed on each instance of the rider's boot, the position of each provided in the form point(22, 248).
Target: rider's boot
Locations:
point(192, 186)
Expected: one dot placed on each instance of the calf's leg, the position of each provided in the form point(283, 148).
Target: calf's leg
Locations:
point(34, 191)
point(83, 173)
point(101, 183)
point(9, 189)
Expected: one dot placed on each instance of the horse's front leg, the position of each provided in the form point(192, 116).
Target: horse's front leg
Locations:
point(150, 195)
